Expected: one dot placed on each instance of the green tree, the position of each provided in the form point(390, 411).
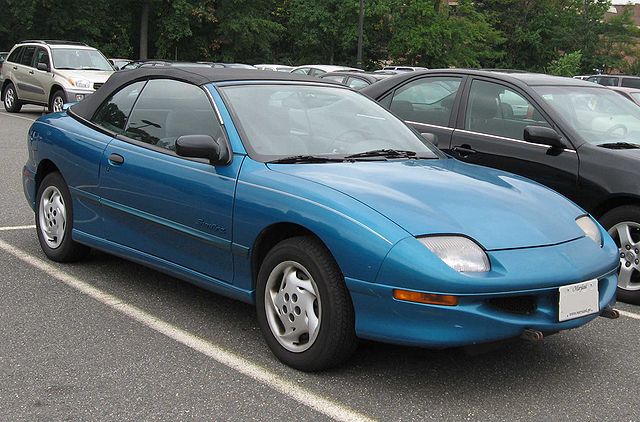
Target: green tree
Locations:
point(568, 65)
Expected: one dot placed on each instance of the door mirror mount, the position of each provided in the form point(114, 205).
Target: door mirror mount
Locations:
point(202, 146)
point(543, 135)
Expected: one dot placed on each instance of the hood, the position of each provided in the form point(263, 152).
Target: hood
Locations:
point(499, 210)
point(93, 76)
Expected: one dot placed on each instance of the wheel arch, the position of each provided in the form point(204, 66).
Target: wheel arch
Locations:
point(45, 167)
point(54, 89)
point(615, 202)
point(4, 85)
point(271, 236)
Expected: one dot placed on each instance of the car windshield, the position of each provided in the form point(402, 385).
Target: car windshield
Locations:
point(290, 120)
point(599, 115)
point(79, 59)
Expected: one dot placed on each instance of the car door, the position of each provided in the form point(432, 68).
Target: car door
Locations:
point(490, 132)
point(24, 75)
point(42, 78)
point(428, 104)
point(178, 210)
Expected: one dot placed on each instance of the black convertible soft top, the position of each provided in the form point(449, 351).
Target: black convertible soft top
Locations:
point(195, 75)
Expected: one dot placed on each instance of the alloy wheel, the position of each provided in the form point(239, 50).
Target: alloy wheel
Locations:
point(9, 98)
point(627, 236)
point(58, 103)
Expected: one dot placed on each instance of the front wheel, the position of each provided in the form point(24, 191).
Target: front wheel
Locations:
point(54, 221)
point(623, 224)
point(57, 101)
point(11, 102)
point(303, 306)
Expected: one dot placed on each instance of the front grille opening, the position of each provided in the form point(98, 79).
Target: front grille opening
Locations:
point(520, 305)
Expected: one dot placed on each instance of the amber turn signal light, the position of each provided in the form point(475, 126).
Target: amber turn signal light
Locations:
point(429, 298)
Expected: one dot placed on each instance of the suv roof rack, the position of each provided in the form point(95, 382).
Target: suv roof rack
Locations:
point(54, 42)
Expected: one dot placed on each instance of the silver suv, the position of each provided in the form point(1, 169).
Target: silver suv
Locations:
point(51, 73)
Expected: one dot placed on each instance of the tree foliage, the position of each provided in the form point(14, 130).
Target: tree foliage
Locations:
point(520, 34)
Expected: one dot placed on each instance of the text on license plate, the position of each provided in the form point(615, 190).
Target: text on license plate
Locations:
point(578, 300)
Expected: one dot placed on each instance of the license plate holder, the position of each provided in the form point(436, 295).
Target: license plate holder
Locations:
point(578, 300)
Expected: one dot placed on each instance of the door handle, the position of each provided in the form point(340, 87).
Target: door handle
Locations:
point(15, 67)
point(464, 150)
point(116, 159)
point(31, 72)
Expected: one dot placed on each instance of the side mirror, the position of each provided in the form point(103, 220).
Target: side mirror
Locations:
point(543, 135)
point(42, 66)
point(431, 137)
point(202, 146)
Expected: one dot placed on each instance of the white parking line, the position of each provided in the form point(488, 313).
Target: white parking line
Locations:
point(306, 397)
point(629, 314)
point(17, 117)
point(9, 228)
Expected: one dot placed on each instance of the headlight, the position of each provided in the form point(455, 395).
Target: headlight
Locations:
point(458, 252)
point(590, 229)
point(80, 83)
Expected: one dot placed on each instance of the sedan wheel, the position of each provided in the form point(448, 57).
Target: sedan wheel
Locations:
point(53, 217)
point(623, 224)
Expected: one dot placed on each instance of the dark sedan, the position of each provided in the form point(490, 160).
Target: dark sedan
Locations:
point(356, 80)
point(579, 138)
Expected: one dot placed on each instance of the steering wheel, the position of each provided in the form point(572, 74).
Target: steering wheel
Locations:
point(617, 126)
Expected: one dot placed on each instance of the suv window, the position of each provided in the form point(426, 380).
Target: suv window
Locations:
point(27, 56)
point(302, 71)
point(604, 80)
point(42, 56)
point(497, 110)
point(427, 100)
point(113, 113)
point(631, 82)
point(168, 109)
point(14, 57)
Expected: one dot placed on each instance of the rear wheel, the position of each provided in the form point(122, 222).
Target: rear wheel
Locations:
point(54, 221)
point(304, 309)
point(57, 101)
point(623, 224)
point(11, 102)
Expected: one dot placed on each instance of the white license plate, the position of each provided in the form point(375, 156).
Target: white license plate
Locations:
point(578, 300)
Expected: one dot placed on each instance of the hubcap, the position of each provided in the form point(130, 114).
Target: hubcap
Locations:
point(292, 305)
point(9, 98)
point(57, 103)
point(52, 217)
point(627, 237)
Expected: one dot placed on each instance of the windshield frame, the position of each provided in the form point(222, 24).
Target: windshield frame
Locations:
point(95, 50)
point(253, 154)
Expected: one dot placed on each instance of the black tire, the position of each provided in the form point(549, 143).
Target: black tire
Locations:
point(11, 102)
point(630, 214)
point(336, 340)
point(57, 96)
point(67, 250)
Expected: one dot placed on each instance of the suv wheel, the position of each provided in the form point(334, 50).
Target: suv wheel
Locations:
point(11, 102)
point(57, 101)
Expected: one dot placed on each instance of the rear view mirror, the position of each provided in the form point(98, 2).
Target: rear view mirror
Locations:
point(431, 137)
point(202, 146)
point(543, 135)
point(42, 66)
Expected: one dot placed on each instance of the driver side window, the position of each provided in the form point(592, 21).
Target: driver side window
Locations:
point(427, 100)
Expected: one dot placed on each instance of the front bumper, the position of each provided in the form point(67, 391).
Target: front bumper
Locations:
point(477, 319)
point(75, 95)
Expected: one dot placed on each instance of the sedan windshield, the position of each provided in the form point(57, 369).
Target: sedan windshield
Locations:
point(599, 115)
point(301, 120)
point(79, 59)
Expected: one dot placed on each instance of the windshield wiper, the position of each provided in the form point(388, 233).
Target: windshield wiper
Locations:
point(386, 153)
point(306, 159)
point(92, 68)
point(619, 145)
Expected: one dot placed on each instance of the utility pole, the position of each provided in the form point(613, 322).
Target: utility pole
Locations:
point(360, 26)
point(144, 29)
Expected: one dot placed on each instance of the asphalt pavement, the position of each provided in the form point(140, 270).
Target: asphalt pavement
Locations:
point(107, 339)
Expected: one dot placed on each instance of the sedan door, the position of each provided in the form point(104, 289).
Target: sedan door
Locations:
point(429, 105)
point(178, 210)
point(491, 133)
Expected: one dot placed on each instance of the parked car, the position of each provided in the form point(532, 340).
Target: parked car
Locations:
point(355, 80)
point(119, 63)
point(582, 77)
point(632, 94)
point(3, 57)
point(581, 139)
point(404, 68)
point(319, 206)
point(274, 67)
point(231, 65)
point(616, 80)
point(321, 69)
point(51, 73)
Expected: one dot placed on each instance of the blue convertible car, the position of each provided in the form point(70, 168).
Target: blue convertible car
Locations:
point(319, 206)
